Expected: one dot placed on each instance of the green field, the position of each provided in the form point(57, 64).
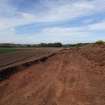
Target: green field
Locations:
point(7, 50)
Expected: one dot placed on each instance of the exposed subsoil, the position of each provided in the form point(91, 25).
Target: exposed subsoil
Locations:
point(74, 76)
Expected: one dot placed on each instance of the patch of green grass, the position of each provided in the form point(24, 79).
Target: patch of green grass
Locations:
point(6, 50)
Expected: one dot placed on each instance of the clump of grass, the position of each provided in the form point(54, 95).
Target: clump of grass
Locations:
point(100, 42)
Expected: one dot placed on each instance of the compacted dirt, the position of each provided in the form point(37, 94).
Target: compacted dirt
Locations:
point(74, 76)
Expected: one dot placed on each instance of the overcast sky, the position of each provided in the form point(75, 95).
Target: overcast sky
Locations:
point(67, 21)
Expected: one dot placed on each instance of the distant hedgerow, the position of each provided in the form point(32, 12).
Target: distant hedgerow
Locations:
point(100, 42)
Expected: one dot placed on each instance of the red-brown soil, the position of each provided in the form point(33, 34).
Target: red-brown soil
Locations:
point(74, 76)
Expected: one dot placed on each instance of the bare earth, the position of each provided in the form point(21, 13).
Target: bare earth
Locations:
point(73, 76)
point(24, 54)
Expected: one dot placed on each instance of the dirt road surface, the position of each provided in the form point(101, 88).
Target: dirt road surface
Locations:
point(73, 76)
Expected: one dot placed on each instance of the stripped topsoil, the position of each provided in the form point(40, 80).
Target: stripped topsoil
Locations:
point(74, 76)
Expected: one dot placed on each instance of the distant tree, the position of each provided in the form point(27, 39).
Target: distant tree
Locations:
point(100, 42)
point(50, 45)
point(54, 44)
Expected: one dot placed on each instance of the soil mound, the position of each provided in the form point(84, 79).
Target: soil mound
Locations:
point(74, 76)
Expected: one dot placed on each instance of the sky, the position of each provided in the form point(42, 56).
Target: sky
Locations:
point(66, 21)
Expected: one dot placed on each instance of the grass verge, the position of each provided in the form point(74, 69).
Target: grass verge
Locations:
point(7, 50)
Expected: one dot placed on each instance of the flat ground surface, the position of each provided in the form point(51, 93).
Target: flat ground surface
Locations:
point(73, 76)
point(6, 50)
point(12, 56)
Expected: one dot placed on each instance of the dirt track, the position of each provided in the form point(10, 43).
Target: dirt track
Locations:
point(71, 77)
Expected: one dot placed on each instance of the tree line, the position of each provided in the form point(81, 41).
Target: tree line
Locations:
point(32, 45)
point(57, 44)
